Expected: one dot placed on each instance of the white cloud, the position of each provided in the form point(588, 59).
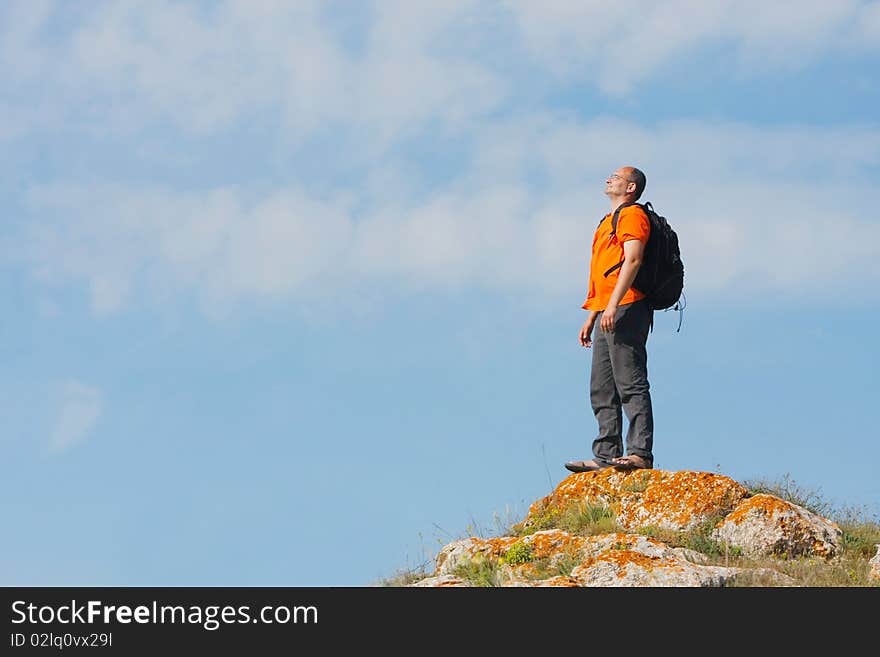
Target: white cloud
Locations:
point(124, 65)
point(620, 44)
point(761, 211)
point(119, 67)
point(22, 53)
point(79, 408)
point(451, 240)
point(200, 67)
point(119, 239)
point(868, 25)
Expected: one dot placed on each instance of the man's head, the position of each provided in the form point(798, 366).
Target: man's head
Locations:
point(627, 184)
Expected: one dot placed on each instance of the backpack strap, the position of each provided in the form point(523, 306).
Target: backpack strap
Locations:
point(616, 216)
point(614, 221)
point(612, 268)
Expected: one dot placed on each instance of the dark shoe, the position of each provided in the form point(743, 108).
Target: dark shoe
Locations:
point(584, 466)
point(631, 462)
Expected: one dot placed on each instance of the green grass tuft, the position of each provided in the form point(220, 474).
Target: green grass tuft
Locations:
point(786, 489)
point(518, 553)
point(479, 572)
point(553, 567)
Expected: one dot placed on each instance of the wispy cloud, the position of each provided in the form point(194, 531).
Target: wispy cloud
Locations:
point(80, 406)
point(617, 45)
point(756, 207)
point(757, 210)
point(203, 67)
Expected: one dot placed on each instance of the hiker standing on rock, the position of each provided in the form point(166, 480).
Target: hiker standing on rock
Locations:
point(619, 372)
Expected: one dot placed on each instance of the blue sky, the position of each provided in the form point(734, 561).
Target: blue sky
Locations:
point(293, 289)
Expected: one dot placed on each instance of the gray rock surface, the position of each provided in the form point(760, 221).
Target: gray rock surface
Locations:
point(764, 524)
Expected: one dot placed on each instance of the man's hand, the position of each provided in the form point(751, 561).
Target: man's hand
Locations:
point(607, 323)
point(586, 334)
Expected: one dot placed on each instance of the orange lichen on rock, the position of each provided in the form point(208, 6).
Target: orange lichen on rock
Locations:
point(620, 564)
point(541, 544)
point(671, 500)
point(555, 558)
point(450, 582)
point(762, 504)
point(639, 501)
point(621, 541)
point(545, 544)
point(559, 581)
point(603, 487)
point(765, 524)
point(624, 558)
point(495, 547)
point(549, 544)
point(681, 501)
point(544, 548)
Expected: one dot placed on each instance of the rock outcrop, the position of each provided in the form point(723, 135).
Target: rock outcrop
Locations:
point(648, 506)
point(676, 501)
point(616, 559)
point(764, 524)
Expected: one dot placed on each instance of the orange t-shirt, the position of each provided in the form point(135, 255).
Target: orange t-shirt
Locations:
point(632, 224)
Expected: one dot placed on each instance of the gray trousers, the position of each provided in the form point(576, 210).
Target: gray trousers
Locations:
point(619, 381)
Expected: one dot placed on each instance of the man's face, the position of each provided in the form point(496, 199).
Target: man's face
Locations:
point(617, 183)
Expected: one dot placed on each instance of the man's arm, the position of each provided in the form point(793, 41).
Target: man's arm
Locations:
point(633, 250)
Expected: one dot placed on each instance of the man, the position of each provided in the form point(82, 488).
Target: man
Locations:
point(619, 374)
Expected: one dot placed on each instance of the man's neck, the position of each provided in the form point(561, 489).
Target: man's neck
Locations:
point(617, 201)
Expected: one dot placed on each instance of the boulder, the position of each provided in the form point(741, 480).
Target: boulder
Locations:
point(680, 501)
point(616, 559)
point(676, 501)
point(636, 503)
point(764, 524)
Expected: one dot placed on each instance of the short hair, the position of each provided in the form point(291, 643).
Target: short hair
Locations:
point(638, 177)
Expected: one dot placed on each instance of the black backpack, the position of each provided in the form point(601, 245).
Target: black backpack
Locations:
point(661, 276)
